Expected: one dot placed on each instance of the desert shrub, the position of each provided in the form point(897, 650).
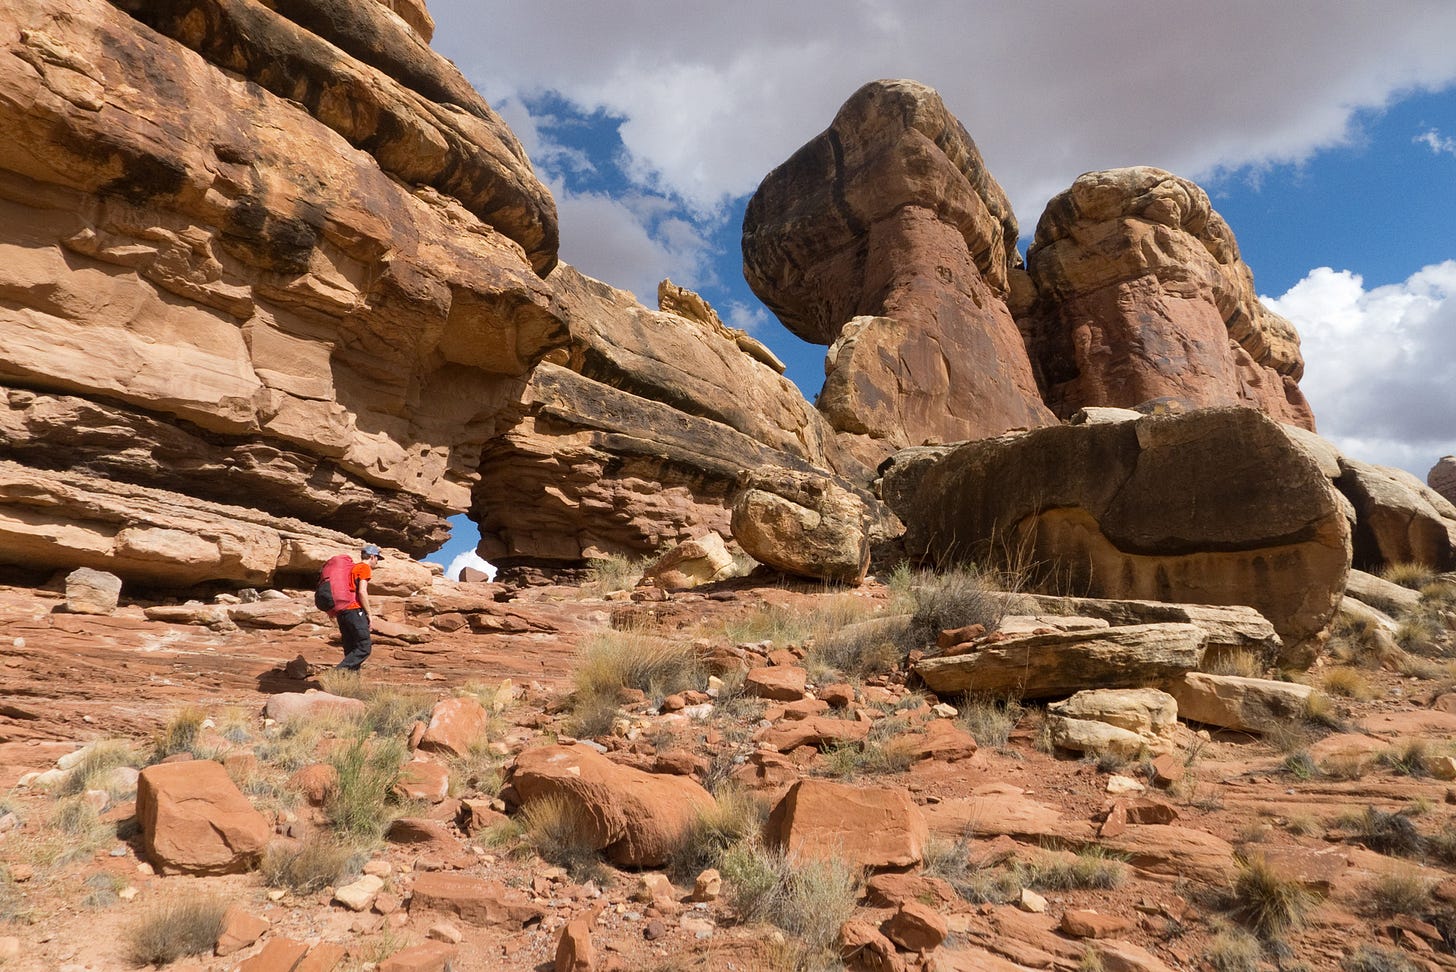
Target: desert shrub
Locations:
point(1320, 712)
point(1389, 833)
point(180, 734)
point(346, 682)
point(98, 759)
point(1268, 901)
point(557, 829)
point(1347, 683)
point(989, 720)
point(477, 773)
point(170, 929)
point(613, 572)
point(314, 863)
point(1399, 891)
point(953, 599)
point(809, 899)
point(1408, 573)
point(1410, 758)
point(392, 711)
point(1355, 641)
point(872, 757)
point(1375, 958)
point(1417, 633)
point(736, 815)
point(1301, 766)
point(361, 803)
point(857, 650)
point(1093, 868)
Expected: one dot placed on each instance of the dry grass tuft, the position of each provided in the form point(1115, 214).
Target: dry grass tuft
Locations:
point(954, 599)
point(180, 735)
point(1347, 683)
point(988, 720)
point(556, 829)
point(1376, 958)
point(809, 899)
point(1233, 950)
point(97, 760)
point(361, 805)
point(1093, 868)
point(1408, 573)
point(1266, 900)
point(1400, 891)
point(314, 863)
point(179, 926)
point(613, 572)
point(1236, 661)
point(736, 815)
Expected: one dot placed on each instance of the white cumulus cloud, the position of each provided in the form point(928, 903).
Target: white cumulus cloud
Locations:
point(1436, 142)
point(1380, 363)
point(468, 559)
point(713, 95)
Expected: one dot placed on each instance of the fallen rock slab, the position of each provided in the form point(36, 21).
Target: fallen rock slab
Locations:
point(1237, 702)
point(864, 826)
point(1042, 665)
point(474, 900)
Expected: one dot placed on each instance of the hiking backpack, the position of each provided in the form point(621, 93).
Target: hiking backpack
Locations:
point(334, 587)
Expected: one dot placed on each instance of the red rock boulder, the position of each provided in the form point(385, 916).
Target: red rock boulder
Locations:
point(633, 816)
point(195, 821)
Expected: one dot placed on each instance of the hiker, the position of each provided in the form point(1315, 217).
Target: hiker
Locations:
point(353, 610)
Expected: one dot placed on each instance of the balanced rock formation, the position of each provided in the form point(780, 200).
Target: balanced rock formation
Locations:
point(1140, 294)
point(886, 237)
point(634, 438)
point(282, 259)
point(1218, 506)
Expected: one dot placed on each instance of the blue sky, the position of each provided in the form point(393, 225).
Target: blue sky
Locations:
point(1325, 132)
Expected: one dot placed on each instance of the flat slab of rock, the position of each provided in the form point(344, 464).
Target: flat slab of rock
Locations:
point(817, 731)
point(1176, 851)
point(1228, 626)
point(456, 726)
point(1003, 811)
point(1060, 663)
point(1236, 702)
point(1380, 593)
point(866, 826)
point(288, 706)
point(474, 900)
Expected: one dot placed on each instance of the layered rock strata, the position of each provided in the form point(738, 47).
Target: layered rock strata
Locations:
point(1140, 293)
point(283, 263)
point(1219, 506)
point(636, 436)
point(886, 237)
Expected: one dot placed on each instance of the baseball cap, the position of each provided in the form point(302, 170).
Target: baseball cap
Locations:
point(372, 550)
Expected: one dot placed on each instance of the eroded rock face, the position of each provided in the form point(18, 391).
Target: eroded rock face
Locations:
point(1218, 506)
point(886, 236)
point(1442, 478)
point(1141, 294)
point(1397, 517)
point(211, 247)
point(636, 437)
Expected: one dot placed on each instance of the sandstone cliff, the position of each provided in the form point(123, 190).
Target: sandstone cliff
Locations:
point(280, 262)
point(637, 435)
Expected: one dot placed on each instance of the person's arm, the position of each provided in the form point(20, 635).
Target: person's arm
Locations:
point(364, 596)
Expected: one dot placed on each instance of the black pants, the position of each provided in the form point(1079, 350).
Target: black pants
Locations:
point(354, 629)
